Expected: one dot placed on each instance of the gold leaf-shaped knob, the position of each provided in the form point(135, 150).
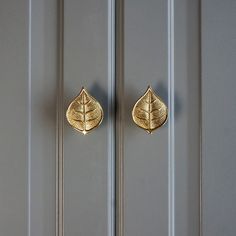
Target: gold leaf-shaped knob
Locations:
point(149, 112)
point(84, 112)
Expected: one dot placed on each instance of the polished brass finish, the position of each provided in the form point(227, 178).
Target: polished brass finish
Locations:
point(149, 112)
point(84, 112)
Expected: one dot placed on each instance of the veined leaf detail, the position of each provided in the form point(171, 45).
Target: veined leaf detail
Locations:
point(149, 112)
point(84, 112)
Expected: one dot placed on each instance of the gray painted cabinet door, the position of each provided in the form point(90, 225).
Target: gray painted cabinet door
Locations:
point(117, 180)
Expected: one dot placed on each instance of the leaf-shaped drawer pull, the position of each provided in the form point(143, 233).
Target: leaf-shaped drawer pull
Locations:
point(84, 112)
point(149, 112)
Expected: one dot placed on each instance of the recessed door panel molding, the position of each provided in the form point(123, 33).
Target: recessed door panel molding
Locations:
point(145, 156)
point(146, 192)
point(88, 174)
point(118, 180)
point(162, 171)
point(28, 62)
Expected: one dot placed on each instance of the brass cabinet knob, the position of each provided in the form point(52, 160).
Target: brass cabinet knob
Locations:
point(84, 113)
point(149, 112)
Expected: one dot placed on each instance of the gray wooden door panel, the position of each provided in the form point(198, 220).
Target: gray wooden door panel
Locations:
point(87, 202)
point(163, 172)
point(14, 117)
point(43, 77)
point(28, 109)
point(218, 118)
point(145, 156)
point(187, 117)
point(146, 165)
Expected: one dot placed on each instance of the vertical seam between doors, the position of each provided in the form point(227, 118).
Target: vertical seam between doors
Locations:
point(119, 38)
point(29, 112)
point(200, 117)
point(111, 119)
point(60, 126)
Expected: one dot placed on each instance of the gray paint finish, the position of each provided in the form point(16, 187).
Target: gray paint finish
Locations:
point(146, 156)
point(218, 118)
point(187, 117)
point(28, 87)
point(86, 157)
point(14, 117)
point(27, 128)
point(43, 116)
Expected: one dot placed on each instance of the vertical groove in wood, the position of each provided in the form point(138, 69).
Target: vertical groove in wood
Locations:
point(171, 124)
point(111, 119)
point(120, 118)
point(29, 114)
point(60, 126)
point(200, 115)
